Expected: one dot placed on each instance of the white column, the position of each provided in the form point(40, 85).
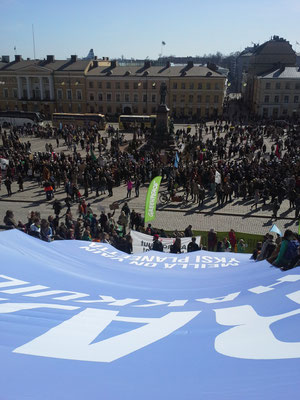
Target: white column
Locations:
point(51, 88)
point(20, 94)
point(28, 88)
point(41, 88)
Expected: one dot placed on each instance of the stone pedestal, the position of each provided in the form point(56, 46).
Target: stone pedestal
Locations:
point(162, 123)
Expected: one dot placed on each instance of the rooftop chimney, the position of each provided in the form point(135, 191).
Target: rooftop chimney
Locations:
point(113, 64)
point(147, 64)
point(212, 66)
point(168, 64)
point(190, 64)
point(5, 59)
point(73, 58)
point(50, 58)
point(95, 64)
point(18, 58)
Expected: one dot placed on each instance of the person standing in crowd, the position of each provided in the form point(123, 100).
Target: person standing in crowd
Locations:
point(188, 231)
point(211, 240)
point(176, 246)
point(123, 221)
point(232, 240)
point(57, 207)
point(157, 244)
point(9, 219)
point(226, 245)
point(241, 246)
point(137, 187)
point(193, 246)
point(276, 207)
point(129, 188)
point(8, 183)
point(20, 182)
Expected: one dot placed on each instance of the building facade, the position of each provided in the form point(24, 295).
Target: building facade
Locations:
point(277, 94)
point(102, 86)
point(275, 54)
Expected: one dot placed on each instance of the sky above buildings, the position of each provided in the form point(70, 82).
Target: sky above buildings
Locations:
point(136, 28)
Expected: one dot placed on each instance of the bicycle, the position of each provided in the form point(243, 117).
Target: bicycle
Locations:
point(165, 197)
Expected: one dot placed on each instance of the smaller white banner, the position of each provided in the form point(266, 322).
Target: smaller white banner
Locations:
point(3, 163)
point(142, 242)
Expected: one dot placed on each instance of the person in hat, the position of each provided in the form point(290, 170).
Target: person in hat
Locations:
point(157, 244)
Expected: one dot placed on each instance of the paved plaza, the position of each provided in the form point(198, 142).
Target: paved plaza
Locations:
point(237, 215)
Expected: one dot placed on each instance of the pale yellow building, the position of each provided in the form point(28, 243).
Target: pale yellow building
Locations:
point(43, 85)
point(266, 59)
point(192, 91)
point(102, 86)
point(277, 93)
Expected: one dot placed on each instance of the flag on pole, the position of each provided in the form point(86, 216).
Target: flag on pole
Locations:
point(275, 229)
point(176, 162)
point(163, 43)
point(151, 199)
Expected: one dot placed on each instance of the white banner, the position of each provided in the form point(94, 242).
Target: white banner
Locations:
point(4, 163)
point(142, 242)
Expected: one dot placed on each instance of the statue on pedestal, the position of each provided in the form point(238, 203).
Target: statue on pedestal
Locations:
point(163, 93)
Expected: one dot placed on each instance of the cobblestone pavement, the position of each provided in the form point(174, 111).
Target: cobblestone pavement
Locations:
point(237, 214)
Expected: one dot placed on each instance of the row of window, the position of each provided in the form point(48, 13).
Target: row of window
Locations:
point(286, 99)
point(146, 85)
point(199, 112)
point(198, 98)
point(283, 85)
point(35, 94)
point(127, 97)
point(192, 86)
point(152, 98)
point(117, 85)
point(118, 97)
point(14, 93)
point(69, 94)
point(267, 112)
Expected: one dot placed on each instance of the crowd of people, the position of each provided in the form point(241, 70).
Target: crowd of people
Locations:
point(256, 163)
point(283, 252)
point(222, 161)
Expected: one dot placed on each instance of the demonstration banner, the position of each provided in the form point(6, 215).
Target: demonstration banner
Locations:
point(83, 320)
point(142, 242)
point(151, 199)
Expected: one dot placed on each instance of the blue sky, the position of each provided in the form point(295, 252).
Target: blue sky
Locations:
point(136, 28)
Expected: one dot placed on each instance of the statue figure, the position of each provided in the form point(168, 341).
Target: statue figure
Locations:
point(163, 93)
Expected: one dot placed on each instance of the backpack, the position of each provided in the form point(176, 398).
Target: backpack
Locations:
point(292, 250)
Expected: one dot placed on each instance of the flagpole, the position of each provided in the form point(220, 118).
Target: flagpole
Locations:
point(33, 40)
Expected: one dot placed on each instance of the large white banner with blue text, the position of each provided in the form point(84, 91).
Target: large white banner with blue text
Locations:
point(81, 320)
